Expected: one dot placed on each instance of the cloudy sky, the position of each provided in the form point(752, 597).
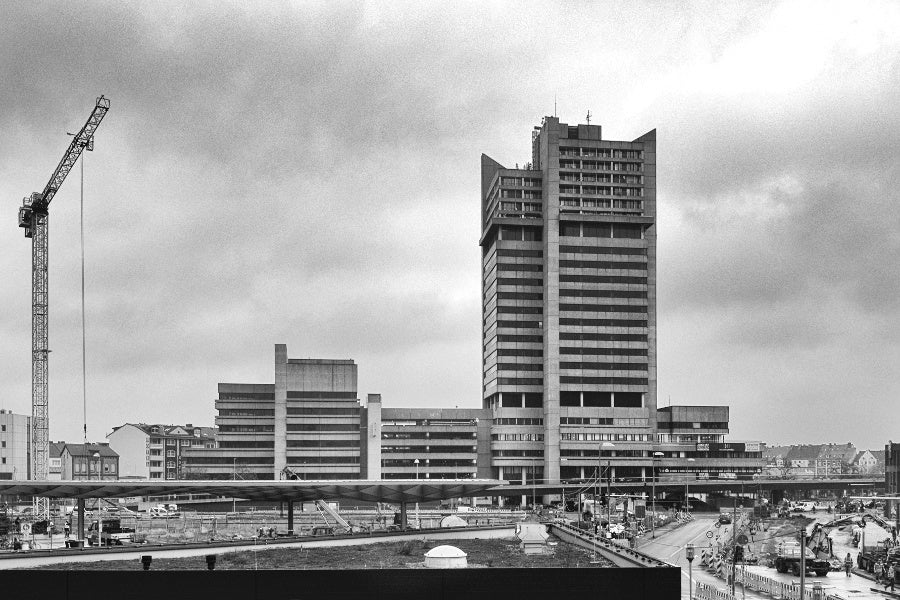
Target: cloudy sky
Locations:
point(308, 174)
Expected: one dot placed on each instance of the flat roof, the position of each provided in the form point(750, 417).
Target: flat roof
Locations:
point(394, 490)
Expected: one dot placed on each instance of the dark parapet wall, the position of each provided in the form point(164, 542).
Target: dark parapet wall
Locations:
point(393, 584)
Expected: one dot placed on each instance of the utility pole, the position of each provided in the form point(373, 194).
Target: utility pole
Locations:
point(802, 560)
point(656, 456)
point(597, 487)
point(689, 554)
point(533, 485)
point(609, 493)
point(734, 544)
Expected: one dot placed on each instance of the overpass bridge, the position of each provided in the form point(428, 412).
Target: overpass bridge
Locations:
point(851, 485)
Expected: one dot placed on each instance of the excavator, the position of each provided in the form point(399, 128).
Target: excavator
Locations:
point(869, 553)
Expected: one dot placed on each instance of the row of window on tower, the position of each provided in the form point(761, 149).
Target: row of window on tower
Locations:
point(586, 151)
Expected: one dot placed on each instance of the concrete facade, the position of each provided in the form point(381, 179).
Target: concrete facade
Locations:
point(444, 441)
point(322, 421)
point(15, 445)
point(330, 434)
point(307, 420)
point(892, 478)
point(569, 301)
point(371, 450)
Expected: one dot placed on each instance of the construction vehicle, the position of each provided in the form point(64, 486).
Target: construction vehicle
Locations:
point(789, 557)
point(872, 550)
point(34, 218)
point(163, 511)
point(110, 534)
point(340, 526)
point(819, 541)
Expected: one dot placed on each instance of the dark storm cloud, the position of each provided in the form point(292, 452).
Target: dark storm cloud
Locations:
point(776, 261)
point(308, 173)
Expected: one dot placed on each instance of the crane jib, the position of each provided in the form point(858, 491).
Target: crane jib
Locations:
point(73, 152)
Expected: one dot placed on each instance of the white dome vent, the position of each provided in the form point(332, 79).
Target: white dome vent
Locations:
point(446, 557)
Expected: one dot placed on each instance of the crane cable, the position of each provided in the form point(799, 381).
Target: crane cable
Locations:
point(83, 343)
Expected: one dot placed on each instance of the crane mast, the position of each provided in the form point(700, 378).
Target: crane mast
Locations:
point(34, 218)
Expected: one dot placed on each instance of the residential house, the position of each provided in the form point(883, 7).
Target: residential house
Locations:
point(774, 457)
point(158, 451)
point(89, 462)
point(55, 472)
point(868, 462)
point(834, 459)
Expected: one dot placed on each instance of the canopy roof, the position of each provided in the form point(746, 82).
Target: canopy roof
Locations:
point(394, 490)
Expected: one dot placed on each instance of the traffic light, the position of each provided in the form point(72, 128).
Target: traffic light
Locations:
point(738, 553)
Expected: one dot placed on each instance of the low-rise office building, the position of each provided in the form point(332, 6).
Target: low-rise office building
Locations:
point(423, 443)
point(311, 423)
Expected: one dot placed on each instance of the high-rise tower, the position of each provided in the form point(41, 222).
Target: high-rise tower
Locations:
point(569, 305)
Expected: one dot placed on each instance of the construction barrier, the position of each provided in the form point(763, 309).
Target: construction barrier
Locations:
point(777, 589)
point(708, 592)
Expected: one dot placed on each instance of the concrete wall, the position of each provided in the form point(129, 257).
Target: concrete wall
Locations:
point(133, 446)
point(15, 433)
point(372, 444)
point(281, 383)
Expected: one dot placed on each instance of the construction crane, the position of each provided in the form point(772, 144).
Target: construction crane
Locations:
point(34, 217)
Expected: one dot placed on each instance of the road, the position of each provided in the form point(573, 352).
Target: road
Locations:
point(670, 547)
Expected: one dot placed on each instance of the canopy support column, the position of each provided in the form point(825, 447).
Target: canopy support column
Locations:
point(403, 516)
point(80, 518)
point(290, 507)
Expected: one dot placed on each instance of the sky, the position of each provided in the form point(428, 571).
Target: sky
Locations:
point(308, 173)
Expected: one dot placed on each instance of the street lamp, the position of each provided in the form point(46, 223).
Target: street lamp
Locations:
point(96, 455)
point(656, 456)
point(608, 446)
point(689, 554)
point(418, 522)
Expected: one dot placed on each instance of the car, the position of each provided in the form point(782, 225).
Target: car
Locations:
point(725, 519)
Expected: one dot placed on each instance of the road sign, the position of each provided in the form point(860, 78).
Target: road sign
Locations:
point(742, 540)
point(709, 534)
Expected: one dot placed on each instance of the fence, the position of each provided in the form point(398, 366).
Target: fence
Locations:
point(716, 563)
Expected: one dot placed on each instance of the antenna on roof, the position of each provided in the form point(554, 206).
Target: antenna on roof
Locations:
point(554, 105)
point(589, 117)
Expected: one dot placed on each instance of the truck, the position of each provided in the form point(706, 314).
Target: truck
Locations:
point(162, 511)
point(872, 550)
point(788, 559)
point(111, 534)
